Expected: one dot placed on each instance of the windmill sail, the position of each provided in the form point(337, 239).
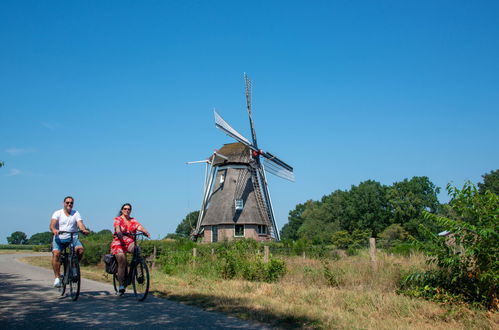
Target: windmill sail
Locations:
point(221, 124)
point(277, 170)
point(248, 107)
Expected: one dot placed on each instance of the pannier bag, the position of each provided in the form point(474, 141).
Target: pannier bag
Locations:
point(111, 264)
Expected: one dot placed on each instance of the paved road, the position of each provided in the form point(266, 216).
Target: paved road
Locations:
point(27, 301)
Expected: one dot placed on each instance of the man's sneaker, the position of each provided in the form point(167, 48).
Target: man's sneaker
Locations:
point(57, 283)
point(121, 290)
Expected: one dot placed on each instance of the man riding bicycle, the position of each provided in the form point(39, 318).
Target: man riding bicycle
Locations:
point(65, 220)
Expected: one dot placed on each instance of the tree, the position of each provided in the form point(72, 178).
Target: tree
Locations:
point(40, 238)
point(2, 164)
point(490, 182)
point(367, 208)
point(17, 237)
point(188, 224)
point(409, 198)
point(295, 220)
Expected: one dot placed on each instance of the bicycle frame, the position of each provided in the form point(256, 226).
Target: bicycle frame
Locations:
point(136, 258)
point(69, 261)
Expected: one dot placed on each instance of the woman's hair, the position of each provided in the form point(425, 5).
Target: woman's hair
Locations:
point(122, 206)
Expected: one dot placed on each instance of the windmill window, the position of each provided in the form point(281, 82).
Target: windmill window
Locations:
point(261, 229)
point(239, 204)
point(239, 230)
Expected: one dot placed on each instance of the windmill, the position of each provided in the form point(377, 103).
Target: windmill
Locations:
point(236, 200)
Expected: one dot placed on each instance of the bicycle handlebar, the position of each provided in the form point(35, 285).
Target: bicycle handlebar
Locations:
point(139, 233)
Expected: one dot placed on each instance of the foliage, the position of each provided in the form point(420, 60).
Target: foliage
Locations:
point(16, 247)
point(466, 260)
point(241, 259)
point(40, 238)
point(290, 230)
point(404, 248)
point(369, 206)
point(96, 246)
point(42, 248)
point(103, 236)
point(17, 237)
point(490, 182)
point(94, 251)
point(355, 240)
point(393, 235)
point(332, 275)
point(2, 164)
point(409, 198)
point(188, 224)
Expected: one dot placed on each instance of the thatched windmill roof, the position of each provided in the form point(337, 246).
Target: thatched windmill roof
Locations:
point(235, 152)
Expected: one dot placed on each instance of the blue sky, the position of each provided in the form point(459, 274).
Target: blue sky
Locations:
point(107, 100)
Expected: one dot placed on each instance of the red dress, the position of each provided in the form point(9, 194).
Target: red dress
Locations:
point(121, 245)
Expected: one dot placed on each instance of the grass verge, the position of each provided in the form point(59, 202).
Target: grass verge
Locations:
point(315, 295)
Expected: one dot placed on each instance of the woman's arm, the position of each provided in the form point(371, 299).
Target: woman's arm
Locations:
point(142, 229)
point(117, 231)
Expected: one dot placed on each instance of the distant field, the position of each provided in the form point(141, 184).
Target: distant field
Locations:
point(346, 295)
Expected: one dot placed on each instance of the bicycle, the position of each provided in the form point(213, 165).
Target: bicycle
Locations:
point(71, 265)
point(136, 274)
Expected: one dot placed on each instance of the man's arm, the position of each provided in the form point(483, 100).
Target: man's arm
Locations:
point(82, 227)
point(53, 223)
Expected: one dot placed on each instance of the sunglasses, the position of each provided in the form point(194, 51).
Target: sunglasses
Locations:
point(69, 203)
point(126, 208)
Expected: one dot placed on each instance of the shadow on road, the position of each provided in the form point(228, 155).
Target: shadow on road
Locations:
point(33, 304)
point(238, 308)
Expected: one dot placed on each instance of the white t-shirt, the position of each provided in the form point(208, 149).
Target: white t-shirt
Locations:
point(66, 223)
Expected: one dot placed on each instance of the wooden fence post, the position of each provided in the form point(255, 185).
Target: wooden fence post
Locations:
point(153, 265)
point(194, 255)
point(372, 253)
point(266, 253)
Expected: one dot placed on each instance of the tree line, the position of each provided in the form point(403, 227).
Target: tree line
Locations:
point(43, 238)
point(343, 217)
point(370, 209)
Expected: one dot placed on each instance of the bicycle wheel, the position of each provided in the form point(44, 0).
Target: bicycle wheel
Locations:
point(62, 288)
point(74, 278)
point(140, 280)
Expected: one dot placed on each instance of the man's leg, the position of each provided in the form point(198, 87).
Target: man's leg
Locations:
point(79, 252)
point(56, 263)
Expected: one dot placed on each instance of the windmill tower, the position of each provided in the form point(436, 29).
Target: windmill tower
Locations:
point(236, 200)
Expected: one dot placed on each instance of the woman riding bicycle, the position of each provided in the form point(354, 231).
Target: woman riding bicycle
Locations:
point(124, 227)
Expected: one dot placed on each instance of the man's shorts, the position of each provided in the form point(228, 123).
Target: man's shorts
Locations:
point(61, 244)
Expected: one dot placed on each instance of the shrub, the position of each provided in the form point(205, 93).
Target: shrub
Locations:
point(275, 270)
point(94, 252)
point(16, 247)
point(466, 261)
point(392, 235)
point(331, 276)
point(42, 248)
point(404, 248)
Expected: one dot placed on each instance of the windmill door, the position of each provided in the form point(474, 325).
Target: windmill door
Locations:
point(214, 233)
